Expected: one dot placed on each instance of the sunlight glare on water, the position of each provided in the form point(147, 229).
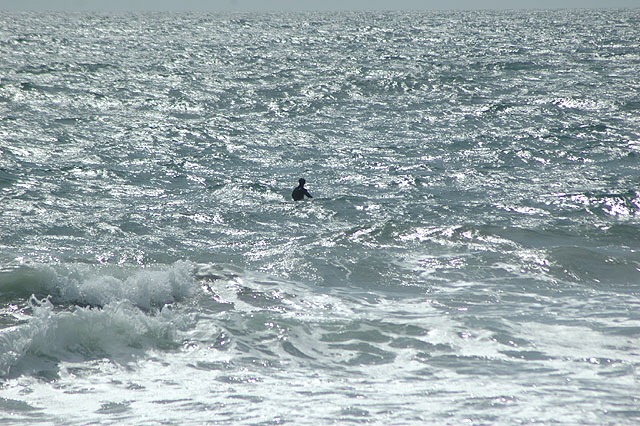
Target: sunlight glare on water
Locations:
point(470, 254)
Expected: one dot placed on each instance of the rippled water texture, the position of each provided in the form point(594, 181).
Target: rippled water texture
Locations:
point(470, 254)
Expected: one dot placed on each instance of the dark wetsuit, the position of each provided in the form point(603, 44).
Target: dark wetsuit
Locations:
point(300, 191)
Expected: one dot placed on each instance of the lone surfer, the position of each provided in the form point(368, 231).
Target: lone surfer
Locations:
point(300, 191)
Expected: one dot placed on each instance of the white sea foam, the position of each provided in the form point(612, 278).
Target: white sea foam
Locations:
point(470, 256)
point(107, 312)
point(116, 330)
point(100, 285)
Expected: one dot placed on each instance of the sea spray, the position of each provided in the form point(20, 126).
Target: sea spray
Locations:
point(118, 331)
point(94, 311)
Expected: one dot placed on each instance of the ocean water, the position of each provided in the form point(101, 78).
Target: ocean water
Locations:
point(470, 256)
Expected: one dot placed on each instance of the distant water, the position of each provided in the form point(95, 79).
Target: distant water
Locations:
point(471, 254)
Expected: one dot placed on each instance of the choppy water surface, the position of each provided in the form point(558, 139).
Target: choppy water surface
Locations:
point(470, 254)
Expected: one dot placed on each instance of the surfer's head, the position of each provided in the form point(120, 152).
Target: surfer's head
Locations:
point(301, 181)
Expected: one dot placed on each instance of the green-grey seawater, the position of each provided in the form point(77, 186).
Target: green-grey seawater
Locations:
point(471, 253)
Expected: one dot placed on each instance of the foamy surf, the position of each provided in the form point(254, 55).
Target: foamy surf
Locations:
point(116, 331)
point(98, 285)
point(470, 255)
point(91, 311)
